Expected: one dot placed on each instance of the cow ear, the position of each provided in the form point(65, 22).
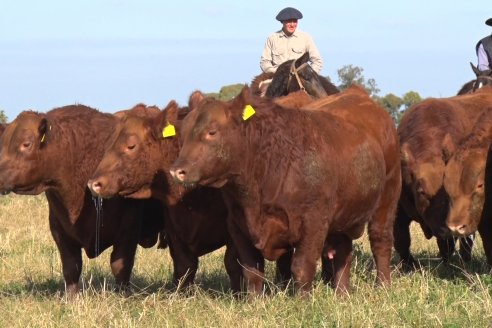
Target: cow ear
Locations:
point(43, 129)
point(406, 156)
point(165, 122)
point(242, 104)
point(195, 99)
point(448, 148)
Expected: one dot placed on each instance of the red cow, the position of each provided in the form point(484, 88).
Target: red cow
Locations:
point(308, 179)
point(422, 132)
point(467, 181)
point(56, 153)
point(136, 164)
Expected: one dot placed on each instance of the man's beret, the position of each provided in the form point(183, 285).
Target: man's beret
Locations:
point(489, 22)
point(288, 13)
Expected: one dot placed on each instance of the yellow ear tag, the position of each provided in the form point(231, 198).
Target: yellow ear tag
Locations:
point(168, 131)
point(248, 111)
point(44, 135)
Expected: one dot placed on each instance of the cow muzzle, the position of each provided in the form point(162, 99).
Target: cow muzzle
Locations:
point(458, 229)
point(178, 174)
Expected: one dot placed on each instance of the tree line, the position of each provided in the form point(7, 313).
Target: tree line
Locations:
point(348, 75)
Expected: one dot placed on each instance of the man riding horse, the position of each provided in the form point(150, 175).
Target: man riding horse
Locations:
point(287, 44)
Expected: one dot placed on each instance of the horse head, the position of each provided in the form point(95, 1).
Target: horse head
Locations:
point(482, 78)
point(294, 75)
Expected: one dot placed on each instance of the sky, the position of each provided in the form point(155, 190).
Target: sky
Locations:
point(113, 54)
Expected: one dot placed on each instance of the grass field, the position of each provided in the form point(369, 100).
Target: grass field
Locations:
point(31, 288)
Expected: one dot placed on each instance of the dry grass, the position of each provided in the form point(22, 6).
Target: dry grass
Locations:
point(31, 288)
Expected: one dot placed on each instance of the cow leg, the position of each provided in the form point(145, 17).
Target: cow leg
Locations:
point(122, 260)
point(233, 268)
point(71, 257)
point(185, 263)
point(380, 230)
point(402, 239)
point(253, 269)
point(251, 260)
point(283, 273)
point(446, 247)
point(466, 246)
point(327, 270)
point(304, 262)
point(485, 230)
point(342, 263)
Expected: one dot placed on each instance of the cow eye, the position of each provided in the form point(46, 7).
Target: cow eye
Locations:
point(211, 134)
point(130, 147)
point(26, 145)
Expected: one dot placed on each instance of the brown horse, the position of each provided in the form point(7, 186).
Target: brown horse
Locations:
point(293, 75)
point(482, 78)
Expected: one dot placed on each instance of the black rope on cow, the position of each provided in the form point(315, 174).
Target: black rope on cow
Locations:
point(98, 202)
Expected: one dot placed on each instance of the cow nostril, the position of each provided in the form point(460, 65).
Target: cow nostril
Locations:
point(459, 228)
point(180, 174)
point(95, 186)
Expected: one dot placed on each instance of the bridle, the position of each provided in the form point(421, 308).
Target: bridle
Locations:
point(480, 77)
point(295, 72)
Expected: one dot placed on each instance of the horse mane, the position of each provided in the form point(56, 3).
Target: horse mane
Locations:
point(255, 83)
point(466, 88)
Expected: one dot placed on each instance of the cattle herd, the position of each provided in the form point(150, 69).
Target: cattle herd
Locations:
point(291, 179)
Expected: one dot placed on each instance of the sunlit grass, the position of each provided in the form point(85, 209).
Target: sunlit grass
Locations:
point(31, 288)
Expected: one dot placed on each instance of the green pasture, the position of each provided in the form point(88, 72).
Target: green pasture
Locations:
point(31, 288)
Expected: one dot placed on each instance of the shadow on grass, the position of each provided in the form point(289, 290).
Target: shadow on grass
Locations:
point(455, 270)
point(96, 281)
point(215, 283)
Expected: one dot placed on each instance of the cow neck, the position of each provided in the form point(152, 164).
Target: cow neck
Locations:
point(169, 191)
point(269, 146)
point(82, 148)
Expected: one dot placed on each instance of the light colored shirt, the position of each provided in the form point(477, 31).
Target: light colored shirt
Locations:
point(279, 48)
point(483, 60)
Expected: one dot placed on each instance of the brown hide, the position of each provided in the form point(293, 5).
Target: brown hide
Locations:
point(56, 153)
point(427, 133)
point(308, 179)
point(136, 164)
point(464, 182)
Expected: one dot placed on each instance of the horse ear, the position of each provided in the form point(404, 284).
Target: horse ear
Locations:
point(303, 59)
point(475, 69)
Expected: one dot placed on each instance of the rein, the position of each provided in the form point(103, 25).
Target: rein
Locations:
point(294, 71)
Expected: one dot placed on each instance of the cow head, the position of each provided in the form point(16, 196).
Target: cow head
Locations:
point(24, 143)
point(424, 179)
point(212, 141)
point(464, 182)
point(137, 160)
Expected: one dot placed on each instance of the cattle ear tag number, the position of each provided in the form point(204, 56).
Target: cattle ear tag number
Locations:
point(168, 131)
point(248, 111)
